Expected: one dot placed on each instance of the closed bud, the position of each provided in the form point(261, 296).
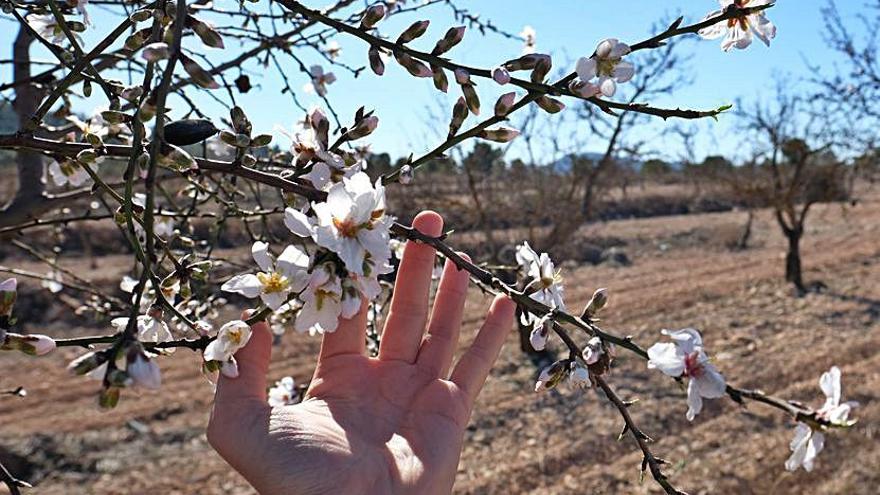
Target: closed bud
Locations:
point(373, 15)
point(228, 138)
point(452, 37)
point(526, 62)
point(155, 52)
point(596, 303)
point(462, 76)
point(33, 344)
point(115, 116)
point(137, 40)
point(261, 140)
point(470, 96)
point(87, 88)
point(499, 135)
point(500, 75)
point(363, 128)
point(87, 362)
point(147, 110)
point(240, 121)
point(94, 140)
point(176, 158)
point(550, 105)
point(376, 63)
point(406, 174)
point(141, 15)
point(551, 376)
point(248, 160)
point(439, 76)
point(199, 75)
point(415, 30)
point(459, 113)
point(504, 104)
point(205, 32)
point(87, 156)
point(132, 93)
point(413, 66)
point(542, 68)
point(8, 294)
point(109, 397)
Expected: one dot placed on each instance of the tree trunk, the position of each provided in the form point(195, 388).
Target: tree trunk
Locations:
point(793, 271)
point(29, 164)
point(743, 242)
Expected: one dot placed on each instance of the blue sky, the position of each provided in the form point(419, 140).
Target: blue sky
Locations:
point(565, 28)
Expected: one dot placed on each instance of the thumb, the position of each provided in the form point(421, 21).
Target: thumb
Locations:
point(253, 364)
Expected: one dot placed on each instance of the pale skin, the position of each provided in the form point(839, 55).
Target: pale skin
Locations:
point(392, 424)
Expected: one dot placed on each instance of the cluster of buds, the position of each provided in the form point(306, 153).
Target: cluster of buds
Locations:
point(240, 136)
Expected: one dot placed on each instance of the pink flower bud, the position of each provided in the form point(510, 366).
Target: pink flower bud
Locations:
point(504, 103)
point(376, 63)
point(470, 96)
point(373, 14)
point(542, 68)
point(439, 75)
point(526, 62)
point(550, 105)
point(592, 351)
point(499, 135)
point(414, 31)
point(462, 76)
point(155, 52)
point(500, 75)
point(363, 128)
point(33, 344)
point(459, 113)
point(452, 37)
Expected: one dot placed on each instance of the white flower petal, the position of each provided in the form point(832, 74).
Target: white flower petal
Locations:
point(297, 222)
point(247, 285)
point(260, 252)
point(666, 357)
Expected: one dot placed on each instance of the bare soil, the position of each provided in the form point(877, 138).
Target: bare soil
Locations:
point(760, 334)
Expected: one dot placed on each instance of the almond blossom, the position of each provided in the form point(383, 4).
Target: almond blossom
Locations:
point(685, 357)
point(320, 80)
point(278, 279)
point(545, 278)
point(608, 65)
point(283, 393)
point(352, 223)
point(68, 171)
point(326, 300)
point(231, 337)
point(808, 442)
point(149, 329)
point(738, 31)
point(142, 370)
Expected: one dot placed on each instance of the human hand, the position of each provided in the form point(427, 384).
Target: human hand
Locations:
point(391, 424)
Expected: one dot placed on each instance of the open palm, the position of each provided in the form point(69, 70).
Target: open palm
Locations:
point(392, 424)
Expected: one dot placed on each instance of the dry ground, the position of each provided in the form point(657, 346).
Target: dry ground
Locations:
point(561, 442)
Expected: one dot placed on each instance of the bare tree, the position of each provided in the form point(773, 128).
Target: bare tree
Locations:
point(794, 168)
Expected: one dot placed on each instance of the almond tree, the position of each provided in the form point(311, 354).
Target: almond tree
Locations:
point(174, 175)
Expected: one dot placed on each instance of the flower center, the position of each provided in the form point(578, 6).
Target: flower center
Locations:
point(273, 282)
point(693, 368)
point(605, 66)
point(346, 227)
